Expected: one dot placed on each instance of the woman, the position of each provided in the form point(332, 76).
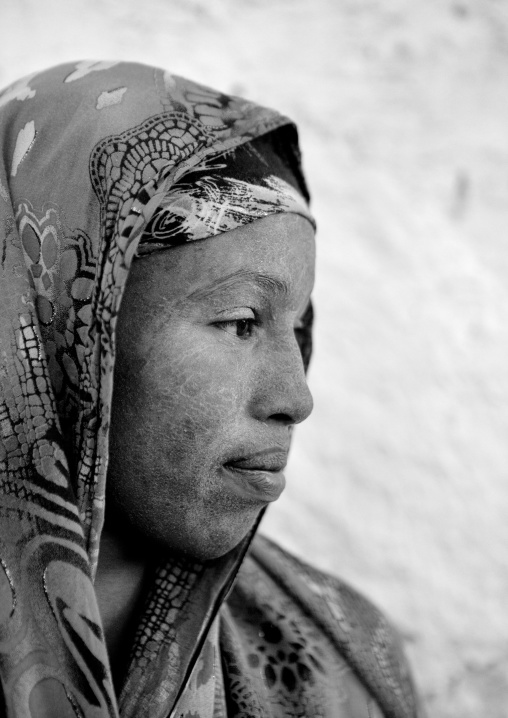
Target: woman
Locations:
point(163, 603)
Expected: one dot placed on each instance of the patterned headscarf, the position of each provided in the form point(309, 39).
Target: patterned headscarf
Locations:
point(100, 161)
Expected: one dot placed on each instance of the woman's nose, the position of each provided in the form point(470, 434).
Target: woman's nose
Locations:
point(281, 392)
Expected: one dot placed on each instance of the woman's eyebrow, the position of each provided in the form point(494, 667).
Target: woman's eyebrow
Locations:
point(267, 282)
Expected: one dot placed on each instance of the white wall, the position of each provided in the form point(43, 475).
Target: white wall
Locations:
point(398, 482)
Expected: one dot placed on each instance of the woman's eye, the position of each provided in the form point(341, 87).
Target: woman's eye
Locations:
point(242, 328)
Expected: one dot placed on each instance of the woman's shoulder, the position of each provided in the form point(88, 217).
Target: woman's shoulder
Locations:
point(356, 629)
point(345, 606)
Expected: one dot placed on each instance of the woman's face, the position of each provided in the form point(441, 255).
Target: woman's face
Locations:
point(209, 381)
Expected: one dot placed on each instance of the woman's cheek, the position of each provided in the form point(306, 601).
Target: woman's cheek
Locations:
point(200, 392)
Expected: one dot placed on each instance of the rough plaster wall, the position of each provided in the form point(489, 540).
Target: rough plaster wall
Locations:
point(398, 482)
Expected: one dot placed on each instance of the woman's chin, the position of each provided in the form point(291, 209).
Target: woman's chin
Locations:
point(211, 543)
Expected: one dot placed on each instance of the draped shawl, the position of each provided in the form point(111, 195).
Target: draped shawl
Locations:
point(96, 156)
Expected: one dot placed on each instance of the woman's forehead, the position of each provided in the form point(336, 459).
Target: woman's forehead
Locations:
point(275, 254)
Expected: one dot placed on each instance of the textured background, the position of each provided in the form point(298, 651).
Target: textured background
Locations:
point(398, 482)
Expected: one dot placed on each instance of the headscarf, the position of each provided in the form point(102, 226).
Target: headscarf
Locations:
point(101, 162)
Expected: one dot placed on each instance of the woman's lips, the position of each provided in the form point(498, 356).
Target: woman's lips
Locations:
point(259, 475)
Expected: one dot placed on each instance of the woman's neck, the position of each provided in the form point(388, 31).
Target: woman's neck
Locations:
point(119, 586)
